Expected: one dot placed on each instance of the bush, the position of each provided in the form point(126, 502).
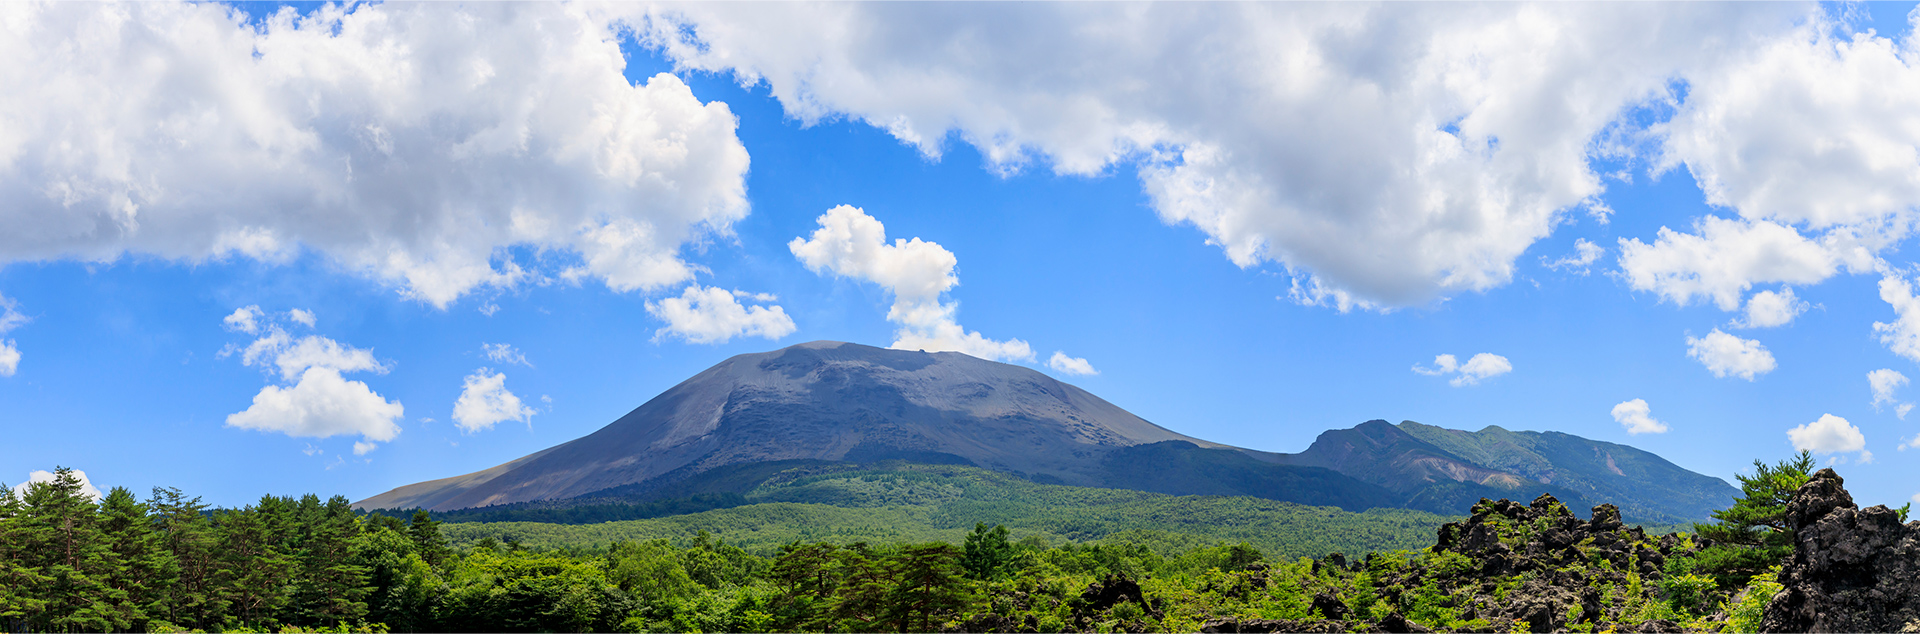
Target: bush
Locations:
point(1688, 594)
point(1743, 615)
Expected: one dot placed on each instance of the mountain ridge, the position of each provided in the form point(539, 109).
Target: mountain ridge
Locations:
point(842, 402)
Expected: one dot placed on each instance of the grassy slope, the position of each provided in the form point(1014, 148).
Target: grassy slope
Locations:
point(925, 503)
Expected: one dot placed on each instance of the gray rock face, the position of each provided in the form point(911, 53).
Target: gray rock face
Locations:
point(1852, 570)
point(822, 401)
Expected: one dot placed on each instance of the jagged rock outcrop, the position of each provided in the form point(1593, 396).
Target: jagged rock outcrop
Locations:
point(1852, 569)
point(1568, 558)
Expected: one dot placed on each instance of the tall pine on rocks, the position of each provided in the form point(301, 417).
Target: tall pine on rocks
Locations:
point(1753, 535)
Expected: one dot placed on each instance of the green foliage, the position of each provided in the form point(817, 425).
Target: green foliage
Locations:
point(920, 503)
point(986, 554)
point(1745, 611)
point(1753, 533)
point(927, 584)
point(307, 565)
point(1688, 594)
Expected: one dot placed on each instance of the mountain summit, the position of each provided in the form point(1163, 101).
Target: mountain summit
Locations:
point(825, 401)
point(843, 402)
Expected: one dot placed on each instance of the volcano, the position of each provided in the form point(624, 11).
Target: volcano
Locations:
point(843, 402)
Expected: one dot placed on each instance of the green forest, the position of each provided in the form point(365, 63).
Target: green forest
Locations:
point(168, 563)
point(897, 502)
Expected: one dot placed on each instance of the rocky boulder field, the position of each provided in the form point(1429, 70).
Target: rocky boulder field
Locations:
point(1539, 568)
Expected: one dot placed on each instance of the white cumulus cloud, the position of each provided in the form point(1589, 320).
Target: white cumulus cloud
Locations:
point(1768, 309)
point(313, 399)
point(1902, 335)
point(301, 316)
point(715, 315)
point(244, 319)
point(1064, 364)
point(413, 143)
point(852, 244)
point(1726, 257)
point(10, 318)
point(322, 404)
point(1478, 368)
point(1884, 382)
point(1389, 154)
point(86, 486)
point(1728, 355)
point(1830, 435)
point(1811, 126)
point(484, 402)
point(1637, 418)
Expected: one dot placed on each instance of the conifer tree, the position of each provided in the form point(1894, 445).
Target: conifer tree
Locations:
point(1753, 534)
point(928, 582)
point(333, 585)
point(427, 539)
point(188, 539)
point(987, 555)
point(257, 570)
point(139, 566)
point(21, 584)
point(810, 578)
point(860, 602)
point(62, 538)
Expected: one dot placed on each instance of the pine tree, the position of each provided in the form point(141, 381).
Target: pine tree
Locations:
point(21, 584)
point(860, 603)
point(332, 585)
point(1753, 535)
point(139, 565)
point(63, 540)
point(258, 572)
point(809, 578)
point(987, 555)
point(427, 539)
point(928, 582)
point(188, 540)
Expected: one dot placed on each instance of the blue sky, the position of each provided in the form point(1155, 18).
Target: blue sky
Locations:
point(1158, 209)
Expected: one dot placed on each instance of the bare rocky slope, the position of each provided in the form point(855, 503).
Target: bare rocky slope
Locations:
point(847, 402)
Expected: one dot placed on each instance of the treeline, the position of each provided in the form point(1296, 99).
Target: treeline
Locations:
point(69, 563)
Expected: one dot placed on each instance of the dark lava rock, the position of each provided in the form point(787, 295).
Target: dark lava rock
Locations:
point(1504, 538)
point(1105, 594)
point(1396, 624)
point(1328, 607)
point(1852, 569)
point(1263, 626)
